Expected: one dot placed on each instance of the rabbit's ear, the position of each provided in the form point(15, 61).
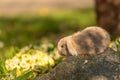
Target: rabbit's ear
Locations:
point(62, 47)
point(72, 47)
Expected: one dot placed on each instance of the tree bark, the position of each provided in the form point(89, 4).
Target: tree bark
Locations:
point(108, 15)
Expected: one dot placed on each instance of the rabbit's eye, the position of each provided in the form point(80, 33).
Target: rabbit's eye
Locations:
point(62, 46)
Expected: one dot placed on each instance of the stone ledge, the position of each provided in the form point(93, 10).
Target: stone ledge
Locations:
point(105, 66)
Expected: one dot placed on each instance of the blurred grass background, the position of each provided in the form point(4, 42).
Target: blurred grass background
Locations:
point(27, 22)
point(28, 29)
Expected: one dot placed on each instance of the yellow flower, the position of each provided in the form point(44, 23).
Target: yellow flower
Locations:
point(113, 46)
point(18, 72)
point(110, 45)
point(28, 59)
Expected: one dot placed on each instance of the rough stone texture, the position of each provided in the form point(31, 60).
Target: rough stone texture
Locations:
point(105, 66)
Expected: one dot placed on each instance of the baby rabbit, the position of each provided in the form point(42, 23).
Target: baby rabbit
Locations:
point(92, 40)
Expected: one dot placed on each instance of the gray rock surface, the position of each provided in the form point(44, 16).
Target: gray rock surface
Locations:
point(105, 66)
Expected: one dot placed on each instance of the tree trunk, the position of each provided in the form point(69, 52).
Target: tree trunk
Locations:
point(108, 15)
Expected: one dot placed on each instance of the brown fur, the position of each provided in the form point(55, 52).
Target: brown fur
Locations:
point(92, 40)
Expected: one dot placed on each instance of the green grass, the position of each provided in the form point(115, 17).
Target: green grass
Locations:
point(84, 18)
point(24, 30)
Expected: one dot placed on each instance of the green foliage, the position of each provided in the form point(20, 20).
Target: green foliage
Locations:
point(11, 75)
point(3, 69)
point(11, 51)
point(115, 44)
point(29, 61)
point(23, 30)
point(25, 76)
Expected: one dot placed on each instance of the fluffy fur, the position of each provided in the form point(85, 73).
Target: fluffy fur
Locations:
point(92, 40)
